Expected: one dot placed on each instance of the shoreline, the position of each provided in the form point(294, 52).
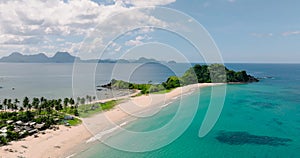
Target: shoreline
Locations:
point(61, 143)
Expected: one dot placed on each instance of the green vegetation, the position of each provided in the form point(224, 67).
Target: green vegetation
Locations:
point(74, 122)
point(162, 91)
point(88, 110)
point(19, 120)
point(215, 73)
point(109, 105)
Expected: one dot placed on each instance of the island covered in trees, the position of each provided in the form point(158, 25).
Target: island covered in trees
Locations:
point(214, 73)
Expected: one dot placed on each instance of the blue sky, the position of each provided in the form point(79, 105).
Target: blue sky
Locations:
point(244, 30)
point(250, 30)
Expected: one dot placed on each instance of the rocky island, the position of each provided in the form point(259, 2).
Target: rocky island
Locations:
point(214, 73)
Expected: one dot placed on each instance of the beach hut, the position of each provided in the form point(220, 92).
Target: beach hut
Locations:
point(17, 130)
point(19, 123)
point(27, 128)
point(9, 121)
point(39, 126)
point(32, 131)
point(32, 123)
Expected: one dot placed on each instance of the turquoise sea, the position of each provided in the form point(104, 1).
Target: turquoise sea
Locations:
point(260, 120)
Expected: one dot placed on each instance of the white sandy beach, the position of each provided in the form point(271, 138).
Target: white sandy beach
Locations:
point(66, 140)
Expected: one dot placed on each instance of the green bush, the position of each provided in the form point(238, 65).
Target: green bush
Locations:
point(3, 140)
point(11, 135)
point(172, 82)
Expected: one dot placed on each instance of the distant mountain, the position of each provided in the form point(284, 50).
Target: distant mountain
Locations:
point(145, 60)
point(65, 57)
point(172, 62)
point(140, 60)
point(59, 57)
point(17, 57)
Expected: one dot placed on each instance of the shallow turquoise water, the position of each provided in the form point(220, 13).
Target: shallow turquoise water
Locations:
point(258, 120)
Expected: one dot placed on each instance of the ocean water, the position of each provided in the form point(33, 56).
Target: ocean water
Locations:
point(61, 80)
point(258, 120)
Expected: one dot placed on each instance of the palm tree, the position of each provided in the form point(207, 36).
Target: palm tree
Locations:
point(42, 99)
point(66, 101)
point(49, 107)
point(9, 104)
point(35, 103)
point(5, 104)
point(57, 105)
point(71, 101)
point(15, 106)
point(1, 106)
point(26, 103)
point(29, 106)
point(52, 103)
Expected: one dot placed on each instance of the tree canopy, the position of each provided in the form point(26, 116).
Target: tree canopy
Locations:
point(214, 73)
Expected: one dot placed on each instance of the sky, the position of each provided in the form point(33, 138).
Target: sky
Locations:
point(245, 31)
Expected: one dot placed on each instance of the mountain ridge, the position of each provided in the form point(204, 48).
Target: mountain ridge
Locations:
point(59, 57)
point(65, 57)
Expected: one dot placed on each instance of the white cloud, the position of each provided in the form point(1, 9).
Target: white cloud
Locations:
point(114, 47)
point(46, 17)
point(260, 35)
point(145, 3)
point(288, 33)
point(60, 40)
point(41, 23)
point(137, 41)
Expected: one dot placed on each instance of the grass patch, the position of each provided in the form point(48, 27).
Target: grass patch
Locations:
point(163, 91)
point(88, 110)
point(74, 122)
point(109, 105)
